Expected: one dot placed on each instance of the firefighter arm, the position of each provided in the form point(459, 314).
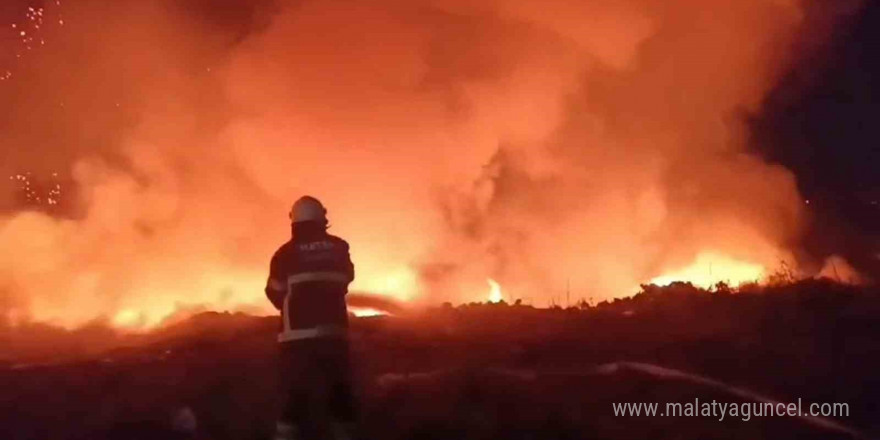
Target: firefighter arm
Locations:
point(275, 295)
point(349, 269)
point(347, 265)
point(276, 287)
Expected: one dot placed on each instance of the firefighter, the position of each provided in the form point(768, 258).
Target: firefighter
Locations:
point(308, 282)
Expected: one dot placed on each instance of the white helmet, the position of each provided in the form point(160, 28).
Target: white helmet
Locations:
point(308, 208)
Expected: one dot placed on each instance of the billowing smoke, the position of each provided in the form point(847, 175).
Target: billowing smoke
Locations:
point(561, 145)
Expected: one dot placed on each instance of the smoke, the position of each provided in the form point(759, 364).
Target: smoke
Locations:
point(551, 145)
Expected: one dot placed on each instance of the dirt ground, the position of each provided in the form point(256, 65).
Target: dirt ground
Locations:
point(486, 371)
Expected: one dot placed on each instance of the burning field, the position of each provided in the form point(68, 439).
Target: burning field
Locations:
point(543, 153)
point(563, 149)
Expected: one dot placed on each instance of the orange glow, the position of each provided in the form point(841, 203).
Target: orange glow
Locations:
point(400, 283)
point(366, 312)
point(129, 319)
point(710, 268)
point(495, 295)
point(550, 143)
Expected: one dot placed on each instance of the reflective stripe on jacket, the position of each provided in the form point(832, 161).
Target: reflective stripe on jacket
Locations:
point(308, 281)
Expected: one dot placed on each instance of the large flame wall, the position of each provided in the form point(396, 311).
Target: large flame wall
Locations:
point(553, 145)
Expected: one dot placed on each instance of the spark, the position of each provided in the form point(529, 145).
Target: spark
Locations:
point(52, 197)
point(29, 30)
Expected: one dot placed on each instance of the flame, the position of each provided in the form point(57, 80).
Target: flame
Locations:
point(151, 316)
point(710, 268)
point(147, 319)
point(495, 295)
point(129, 319)
point(178, 196)
point(362, 312)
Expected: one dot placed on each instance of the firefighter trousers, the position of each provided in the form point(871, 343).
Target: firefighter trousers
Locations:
point(317, 382)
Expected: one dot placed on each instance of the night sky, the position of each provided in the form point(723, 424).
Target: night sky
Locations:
point(822, 121)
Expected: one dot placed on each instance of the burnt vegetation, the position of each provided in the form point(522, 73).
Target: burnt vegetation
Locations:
point(481, 371)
